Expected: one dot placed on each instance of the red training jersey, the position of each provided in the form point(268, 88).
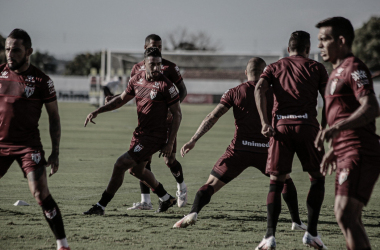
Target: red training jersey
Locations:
point(248, 135)
point(295, 81)
point(21, 99)
point(152, 99)
point(347, 84)
point(168, 69)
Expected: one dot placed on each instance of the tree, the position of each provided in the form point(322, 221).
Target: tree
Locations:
point(366, 45)
point(44, 61)
point(181, 39)
point(82, 64)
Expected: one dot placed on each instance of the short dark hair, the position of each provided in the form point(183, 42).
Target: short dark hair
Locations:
point(256, 64)
point(23, 35)
point(152, 51)
point(299, 41)
point(153, 37)
point(340, 27)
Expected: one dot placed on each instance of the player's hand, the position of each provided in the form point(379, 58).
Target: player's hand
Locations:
point(268, 130)
point(187, 147)
point(53, 161)
point(325, 135)
point(108, 99)
point(328, 164)
point(166, 151)
point(90, 118)
point(318, 142)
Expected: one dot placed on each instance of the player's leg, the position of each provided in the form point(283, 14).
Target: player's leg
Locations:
point(37, 181)
point(314, 201)
point(348, 213)
point(290, 196)
point(176, 170)
point(123, 163)
point(145, 203)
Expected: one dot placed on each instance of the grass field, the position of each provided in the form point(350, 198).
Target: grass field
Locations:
point(234, 219)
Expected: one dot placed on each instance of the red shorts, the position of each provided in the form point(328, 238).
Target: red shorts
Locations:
point(234, 162)
point(29, 159)
point(290, 139)
point(143, 147)
point(356, 176)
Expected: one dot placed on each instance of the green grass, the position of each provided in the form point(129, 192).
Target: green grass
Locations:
point(234, 219)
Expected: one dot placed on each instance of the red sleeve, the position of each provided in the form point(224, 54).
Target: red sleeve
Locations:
point(134, 71)
point(48, 90)
point(267, 73)
point(171, 93)
point(227, 99)
point(360, 80)
point(130, 90)
point(174, 74)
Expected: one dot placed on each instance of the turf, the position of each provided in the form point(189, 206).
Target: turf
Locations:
point(234, 219)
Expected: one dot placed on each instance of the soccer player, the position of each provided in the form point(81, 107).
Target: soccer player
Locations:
point(154, 95)
point(351, 109)
point(295, 81)
point(171, 71)
point(23, 91)
point(248, 147)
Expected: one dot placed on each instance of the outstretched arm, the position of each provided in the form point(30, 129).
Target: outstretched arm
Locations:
point(205, 126)
point(55, 135)
point(112, 105)
point(261, 102)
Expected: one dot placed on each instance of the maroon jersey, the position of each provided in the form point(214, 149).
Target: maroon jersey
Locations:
point(152, 100)
point(248, 135)
point(347, 84)
point(168, 69)
point(295, 81)
point(21, 99)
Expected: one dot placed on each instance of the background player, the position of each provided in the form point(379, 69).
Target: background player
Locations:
point(295, 81)
point(23, 91)
point(154, 95)
point(171, 71)
point(351, 109)
point(248, 147)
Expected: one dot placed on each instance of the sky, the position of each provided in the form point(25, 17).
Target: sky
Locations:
point(65, 28)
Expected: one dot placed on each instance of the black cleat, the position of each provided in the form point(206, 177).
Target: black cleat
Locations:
point(96, 209)
point(164, 205)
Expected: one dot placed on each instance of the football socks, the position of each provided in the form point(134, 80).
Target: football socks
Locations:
point(314, 203)
point(53, 217)
point(144, 188)
point(289, 194)
point(106, 198)
point(202, 198)
point(176, 169)
point(159, 190)
point(273, 206)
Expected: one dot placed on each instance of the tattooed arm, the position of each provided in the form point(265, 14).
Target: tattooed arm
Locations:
point(115, 103)
point(205, 126)
point(55, 135)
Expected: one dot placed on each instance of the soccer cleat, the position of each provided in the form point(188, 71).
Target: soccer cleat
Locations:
point(96, 209)
point(267, 244)
point(141, 206)
point(182, 197)
point(164, 205)
point(299, 227)
point(65, 248)
point(186, 221)
point(312, 241)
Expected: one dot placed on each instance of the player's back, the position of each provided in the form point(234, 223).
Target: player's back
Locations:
point(295, 81)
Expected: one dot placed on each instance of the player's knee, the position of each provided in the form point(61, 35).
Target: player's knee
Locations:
point(119, 165)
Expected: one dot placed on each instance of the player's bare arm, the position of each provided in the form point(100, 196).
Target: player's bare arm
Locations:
point(367, 112)
point(182, 90)
point(175, 109)
point(328, 164)
point(112, 105)
point(110, 98)
point(323, 119)
point(55, 135)
point(261, 103)
point(205, 126)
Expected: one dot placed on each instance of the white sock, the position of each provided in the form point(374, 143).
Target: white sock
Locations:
point(145, 198)
point(104, 208)
point(181, 186)
point(62, 243)
point(165, 197)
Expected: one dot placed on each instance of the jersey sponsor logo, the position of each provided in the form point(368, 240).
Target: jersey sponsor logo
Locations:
point(255, 144)
point(343, 176)
point(280, 117)
point(138, 148)
point(29, 90)
point(359, 75)
point(30, 79)
point(333, 86)
point(4, 74)
point(177, 69)
point(36, 157)
point(362, 82)
point(156, 85)
point(50, 214)
point(153, 94)
point(224, 95)
point(173, 91)
point(51, 86)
